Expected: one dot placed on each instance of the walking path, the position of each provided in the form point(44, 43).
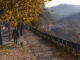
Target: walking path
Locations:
point(43, 49)
point(34, 48)
point(9, 52)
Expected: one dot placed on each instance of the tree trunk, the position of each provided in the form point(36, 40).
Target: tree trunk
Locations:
point(21, 29)
point(0, 36)
point(9, 32)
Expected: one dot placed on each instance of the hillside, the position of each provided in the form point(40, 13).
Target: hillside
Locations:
point(74, 17)
point(67, 29)
point(64, 10)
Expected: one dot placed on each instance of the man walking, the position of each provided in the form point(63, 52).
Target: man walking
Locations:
point(15, 35)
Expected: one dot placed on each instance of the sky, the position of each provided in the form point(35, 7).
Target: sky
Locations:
point(58, 2)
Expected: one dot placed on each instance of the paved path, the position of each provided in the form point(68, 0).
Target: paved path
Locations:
point(43, 49)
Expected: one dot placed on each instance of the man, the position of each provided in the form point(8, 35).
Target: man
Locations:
point(15, 35)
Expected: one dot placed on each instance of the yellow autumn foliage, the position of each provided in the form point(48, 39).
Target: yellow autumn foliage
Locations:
point(16, 11)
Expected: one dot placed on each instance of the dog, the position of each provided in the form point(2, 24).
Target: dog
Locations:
point(21, 44)
point(21, 39)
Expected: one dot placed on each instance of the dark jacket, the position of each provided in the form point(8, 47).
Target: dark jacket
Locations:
point(15, 34)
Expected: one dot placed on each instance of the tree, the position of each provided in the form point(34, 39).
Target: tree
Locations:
point(2, 6)
point(20, 11)
point(23, 11)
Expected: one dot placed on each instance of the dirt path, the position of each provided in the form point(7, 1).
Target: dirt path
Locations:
point(34, 48)
point(8, 52)
point(43, 49)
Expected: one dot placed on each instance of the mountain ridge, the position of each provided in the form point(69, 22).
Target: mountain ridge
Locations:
point(64, 10)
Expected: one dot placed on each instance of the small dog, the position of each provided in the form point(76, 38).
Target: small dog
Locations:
point(21, 44)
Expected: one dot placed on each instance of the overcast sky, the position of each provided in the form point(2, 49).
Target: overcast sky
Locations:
point(57, 2)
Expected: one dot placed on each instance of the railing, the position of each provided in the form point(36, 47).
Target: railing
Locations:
point(61, 42)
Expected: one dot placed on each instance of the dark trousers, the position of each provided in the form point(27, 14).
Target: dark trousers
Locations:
point(15, 40)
